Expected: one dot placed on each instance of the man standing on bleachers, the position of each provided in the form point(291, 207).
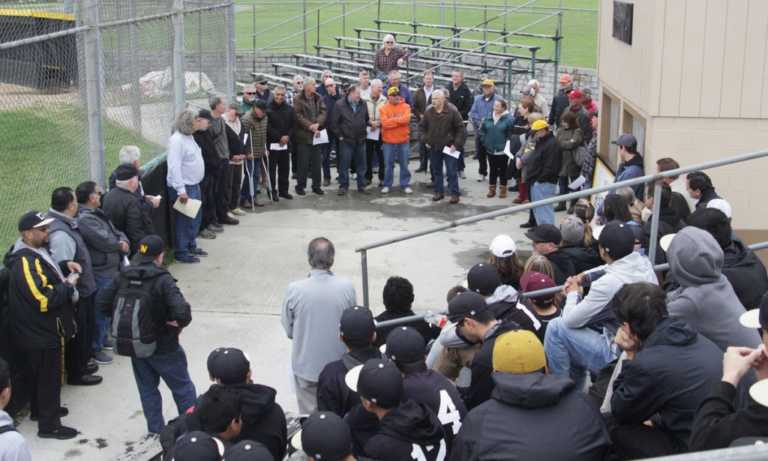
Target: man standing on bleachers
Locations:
point(310, 117)
point(388, 58)
point(394, 80)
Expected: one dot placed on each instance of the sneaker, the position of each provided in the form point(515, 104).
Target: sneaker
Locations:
point(187, 259)
point(385, 190)
point(408, 190)
point(231, 215)
point(217, 228)
point(59, 433)
point(230, 221)
point(318, 191)
point(109, 344)
point(198, 252)
point(300, 191)
point(206, 234)
point(454, 199)
point(437, 197)
point(102, 358)
point(238, 212)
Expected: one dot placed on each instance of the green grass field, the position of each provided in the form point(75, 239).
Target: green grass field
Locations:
point(278, 26)
point(44, 149)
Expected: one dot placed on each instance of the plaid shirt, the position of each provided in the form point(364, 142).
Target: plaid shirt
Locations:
point(384, 63)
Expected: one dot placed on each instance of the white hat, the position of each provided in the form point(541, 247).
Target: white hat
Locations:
point(503, 246)
point(751, 319)
point(721, 205)
point(666, 241)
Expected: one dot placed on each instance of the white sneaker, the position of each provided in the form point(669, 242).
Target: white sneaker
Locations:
point(385, 190)
point(238, 212)
point(231, 215)
point(408, 190)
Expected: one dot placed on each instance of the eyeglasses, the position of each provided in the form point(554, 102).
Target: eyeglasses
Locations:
point(249, 93)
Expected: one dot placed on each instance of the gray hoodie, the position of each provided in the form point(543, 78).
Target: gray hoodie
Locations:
point(705, 299)
point(12, 444)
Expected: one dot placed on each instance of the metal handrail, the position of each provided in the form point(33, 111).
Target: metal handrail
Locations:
point(363, 250)
point(532, 294)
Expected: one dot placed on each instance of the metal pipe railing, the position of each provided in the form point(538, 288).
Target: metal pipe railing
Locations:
point(556, 199)
point(532, 294)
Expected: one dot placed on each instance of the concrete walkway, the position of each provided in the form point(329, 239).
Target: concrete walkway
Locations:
point(236, 295)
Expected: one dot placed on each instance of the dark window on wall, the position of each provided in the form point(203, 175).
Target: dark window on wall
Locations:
point(622, 21)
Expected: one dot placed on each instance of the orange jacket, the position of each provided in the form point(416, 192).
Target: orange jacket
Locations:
point(395, 123)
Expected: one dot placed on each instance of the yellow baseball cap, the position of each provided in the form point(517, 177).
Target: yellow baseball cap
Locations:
point(488, 82)
point(518, 352)
point(539, 125)
point(393, 91)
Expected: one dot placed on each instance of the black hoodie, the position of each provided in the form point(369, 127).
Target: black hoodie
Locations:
point(481, 385)
point(517, 423)
point(333, 394)
point(410, 431)
point(746, 273)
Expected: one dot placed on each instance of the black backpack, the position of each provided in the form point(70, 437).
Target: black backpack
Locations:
point(133, 326)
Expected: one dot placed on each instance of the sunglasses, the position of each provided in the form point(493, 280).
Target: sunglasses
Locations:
point(250, 93)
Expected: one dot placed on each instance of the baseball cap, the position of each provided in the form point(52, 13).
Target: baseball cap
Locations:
point(325, 436)
point(722, 205)
point(125, 172)
point(539, 125)
point(378, 380)
point(617, 239)
point(198, 446)
point(518, 352)
point(626, 140)
point(758, 317)
point(572, 229)
point(206, 114)
point(488, 82)
point(393, 91)
point(260, 104)
point(483, 279)
point(33, 220)
point(545, 233)
point(229, 365)
point(467, 304)
point(565, 78)
point(665, 241)
point(248, 450)
point(149, 247)
point(405, 345)
point(357, 324)
point(503, 246)
point(534, 281)
point(575, 94)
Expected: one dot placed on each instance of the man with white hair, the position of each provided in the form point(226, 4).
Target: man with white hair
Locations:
point(310, 117)
point(130, 155)
point(321, 82)
point(298, 87)
point(389, 57)
point(442, 131)
point(534, 89)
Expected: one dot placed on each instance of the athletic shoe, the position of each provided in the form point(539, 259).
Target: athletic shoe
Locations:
point(408, 190)
point(286, 196)
point(187, 259)
point(59, 433)
point(198, 252)
point(109, 344)
point(102, 358)
point(238, 212)
point(385, 190)
point(206, 234)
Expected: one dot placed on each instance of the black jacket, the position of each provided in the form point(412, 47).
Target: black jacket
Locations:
point(333, 394)
point(719, 423)
point(103, 240)
point(667, 380)
point(168, 304)
point(680, 205)
point(427, 330)
point(409, 428)
point(581, 257)
point(563, 265)
point(481, 385)
point(211, 158)
point(39, 303)
point(746, 273)
point(559, 104)
point(509, 310)
point(533, 417)
point(707, 195)
point(235, 141)
point(461, 97)
point(280, 121)
point(439, 395)
point(123, 208)
point(545, 161)
point(347, 124)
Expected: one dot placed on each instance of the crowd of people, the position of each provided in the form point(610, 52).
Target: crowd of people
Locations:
point(585, 335)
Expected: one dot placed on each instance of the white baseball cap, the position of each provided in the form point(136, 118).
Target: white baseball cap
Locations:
point(666, 241)
point(721, 205)
point(503, 246)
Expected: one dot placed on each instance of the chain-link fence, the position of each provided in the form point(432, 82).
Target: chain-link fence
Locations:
point(80, 79)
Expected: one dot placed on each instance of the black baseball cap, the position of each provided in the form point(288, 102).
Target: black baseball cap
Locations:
point(33, 220)
point(125, 172)
point(206, 114)
point(378, 380)
point(357, 324)
point(467, 304)
point(198, 446)
point(483, 279)
point(325, 436)
point(248, 450)
point(617, 239)
point(545, 233)
point(405, 345)
point(229, 365)
point(149, 247)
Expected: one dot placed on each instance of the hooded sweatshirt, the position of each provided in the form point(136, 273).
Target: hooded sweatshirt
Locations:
point(746, 273)
point(517, 423)
point(705, 299)
point(667, 380)
point(333, 394)
point(410, 431)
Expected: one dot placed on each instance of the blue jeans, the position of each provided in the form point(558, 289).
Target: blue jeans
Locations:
point(101, 319)
point(401, 153)
point(186, 227)
point(573, 351)
point(251, 172)
point(349, 152)
point(172, 367)
point(544, 214)
point(437, 158)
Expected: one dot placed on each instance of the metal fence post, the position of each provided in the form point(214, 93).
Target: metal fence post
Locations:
point(133, 69)
point(317, 42)
point(93, 55)
point(364, 265)
point(253, 35)
point(344, 18)
point(229, 18)
point(179, 85)
point(655, 222)
point(558, 48)
point(304, 23)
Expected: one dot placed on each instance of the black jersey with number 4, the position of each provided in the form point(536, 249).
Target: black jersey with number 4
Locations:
point(441, 396)
point(408, 432)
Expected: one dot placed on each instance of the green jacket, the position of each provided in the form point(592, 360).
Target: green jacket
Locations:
point(495, 135)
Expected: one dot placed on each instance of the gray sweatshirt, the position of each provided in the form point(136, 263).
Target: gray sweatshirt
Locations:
point(12, 444)
point(311, 315)
point(705, 298)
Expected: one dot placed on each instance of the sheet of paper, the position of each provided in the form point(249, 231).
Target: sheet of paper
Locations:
point(245, 139)
point(577, 183)
point(321, 139)
point(373, 133)
point(447, 151)
point(508, 151)
point(278, 146)
point(188, 209)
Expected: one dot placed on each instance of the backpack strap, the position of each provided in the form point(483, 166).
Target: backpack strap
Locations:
point(8, 428)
